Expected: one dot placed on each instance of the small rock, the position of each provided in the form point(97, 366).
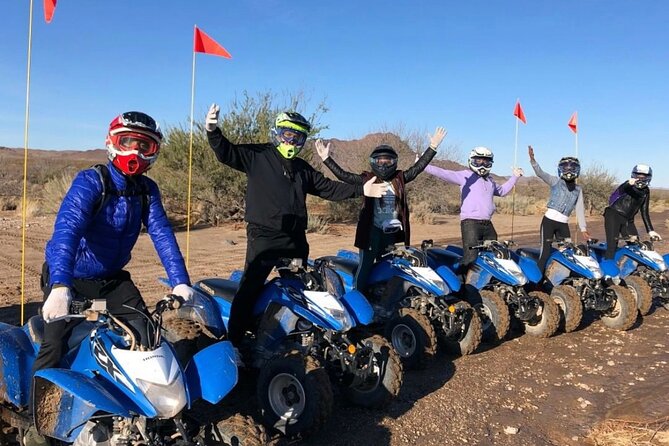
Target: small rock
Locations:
point(510, 430)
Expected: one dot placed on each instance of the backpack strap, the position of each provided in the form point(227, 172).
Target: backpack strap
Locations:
point(108, 189)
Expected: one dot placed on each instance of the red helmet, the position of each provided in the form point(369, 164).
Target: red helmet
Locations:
point(133, 142)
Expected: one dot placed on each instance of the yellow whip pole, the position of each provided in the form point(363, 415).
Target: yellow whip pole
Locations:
point(190, 156)
point(25, 167)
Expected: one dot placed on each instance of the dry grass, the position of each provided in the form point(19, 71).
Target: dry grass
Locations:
point(33, 208)
point(318, 224)
point(8, 203)
point(631, 433)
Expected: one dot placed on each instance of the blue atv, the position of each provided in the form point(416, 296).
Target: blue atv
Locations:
point(306, 328)
point(576, 281)
point(642, 268)
point(112, 390)
point(413, 305)
point(495, 285)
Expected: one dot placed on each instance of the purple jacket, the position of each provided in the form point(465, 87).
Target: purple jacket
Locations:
point(476, 192)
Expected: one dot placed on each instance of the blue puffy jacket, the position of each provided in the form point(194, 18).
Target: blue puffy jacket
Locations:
point(90, 245)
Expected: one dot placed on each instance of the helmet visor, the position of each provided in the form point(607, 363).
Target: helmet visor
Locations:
point(383, 160)
point(569, 167)
point(481, 161)
point(141, 143)
point(291, 136)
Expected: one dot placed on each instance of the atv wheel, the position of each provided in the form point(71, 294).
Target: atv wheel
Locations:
point(494, 314)
point(623, 314)
point(237, 430)
point(571, 307)
point(186, 336)
point(413, 337)
point(294, 394)
point(641, 292)
point(385, 377)
point(466, 341)
point(545, 324)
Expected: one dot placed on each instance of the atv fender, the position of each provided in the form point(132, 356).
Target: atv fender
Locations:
point(359, 307)
point(211, 373)
point(530, 268)
point(65, 400)
point(449, 277)
point(609, 268)
point(17, 356)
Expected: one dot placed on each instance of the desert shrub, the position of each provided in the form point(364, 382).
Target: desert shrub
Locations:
point(217, 191)
point(54, 191)
point(33, 208)
point(521, 205)
point(8, 203)
point(598, 184)
point(346, 211)
point(318, 224)
point(421, 212)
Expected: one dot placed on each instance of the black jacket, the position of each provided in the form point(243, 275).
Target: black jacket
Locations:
point(399, 180)
point(277, 188)
point(627, 200)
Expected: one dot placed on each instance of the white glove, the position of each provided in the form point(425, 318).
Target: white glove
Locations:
point(654, 236)
point(438, 137)
point(631, 181)
point(322, 149)
point(57, 305)
point(211, 122)
point(373, 190)
point(184, 291)
point(517, 172)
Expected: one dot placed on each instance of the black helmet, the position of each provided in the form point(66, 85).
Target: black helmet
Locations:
point(383, 161)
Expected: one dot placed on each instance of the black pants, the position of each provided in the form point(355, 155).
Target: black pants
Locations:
point(473, 233)
point(118, 290)
point(616, 225)
point(263, 248)
point(378, 242)
point(550, 229)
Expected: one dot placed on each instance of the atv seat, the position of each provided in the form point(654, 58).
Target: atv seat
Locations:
point(79, 332)
point(441, 256)
point(530, 253)
point(340, 264)
point(223, 288)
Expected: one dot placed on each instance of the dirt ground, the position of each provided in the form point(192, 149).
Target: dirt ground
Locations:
point(567, 390)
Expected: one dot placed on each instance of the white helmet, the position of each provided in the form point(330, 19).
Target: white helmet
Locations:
point(643, 174)
point(480, 160)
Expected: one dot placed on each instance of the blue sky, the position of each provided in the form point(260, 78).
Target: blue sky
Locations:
point(376, 63)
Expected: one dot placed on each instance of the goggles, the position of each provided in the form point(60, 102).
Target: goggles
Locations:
point(570, 166)
point(383, 160)
point(291, 136)
point(479, 161)
point(142, 144)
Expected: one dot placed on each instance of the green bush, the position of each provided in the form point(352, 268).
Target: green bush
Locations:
point(598, 184)
point(218, 191)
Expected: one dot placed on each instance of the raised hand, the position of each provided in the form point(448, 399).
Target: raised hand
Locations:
point(374, 190)
point(437, 137)
point(211, 122)
point(530, 152)
point(517, 172)
point(322, 149)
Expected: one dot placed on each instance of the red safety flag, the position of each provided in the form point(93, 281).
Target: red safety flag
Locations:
point(49, 9)
point(202, 43)
point(518, 112)
point(573, 122)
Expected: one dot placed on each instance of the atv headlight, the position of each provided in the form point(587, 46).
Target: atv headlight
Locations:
point(656, 258)
point(430, 275)
point(512, 268)
point(168, 400)
point(590, 264)
point(328, 307)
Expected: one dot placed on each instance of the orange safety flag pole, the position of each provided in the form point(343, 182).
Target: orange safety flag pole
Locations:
point(202, 43)
point(518, 113)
